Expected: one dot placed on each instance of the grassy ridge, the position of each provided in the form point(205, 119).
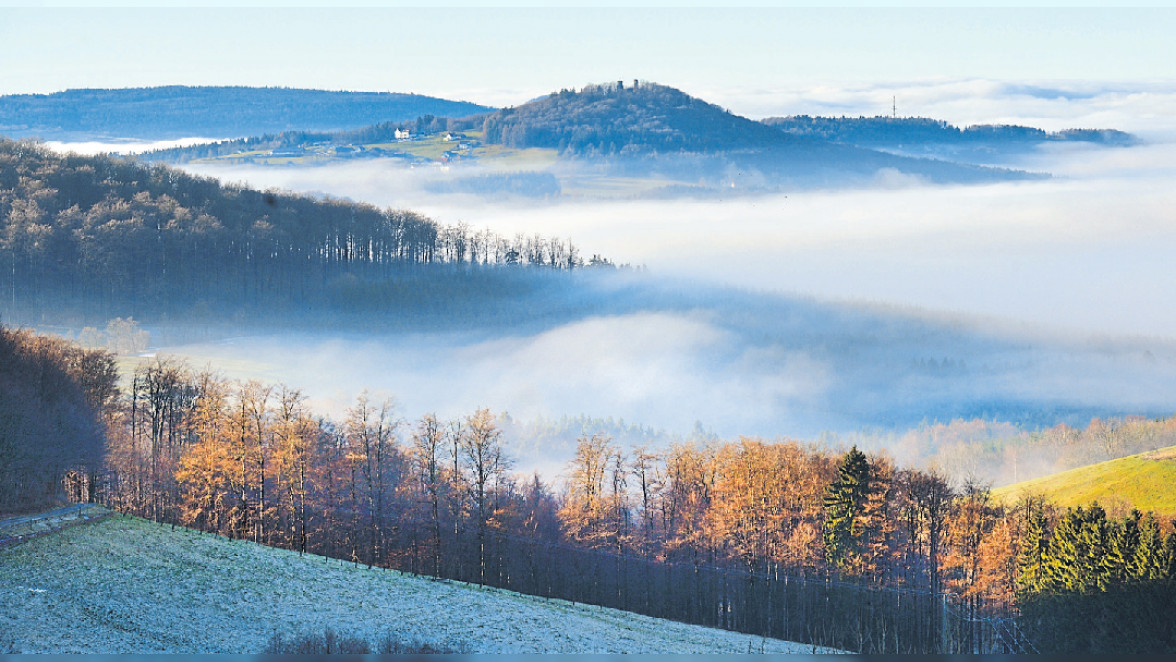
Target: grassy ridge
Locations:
point(1146, 481)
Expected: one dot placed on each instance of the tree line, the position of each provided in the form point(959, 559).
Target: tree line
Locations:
point(723, 533)
point(119, 237)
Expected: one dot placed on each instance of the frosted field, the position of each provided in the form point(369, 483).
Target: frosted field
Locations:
point(127, 585)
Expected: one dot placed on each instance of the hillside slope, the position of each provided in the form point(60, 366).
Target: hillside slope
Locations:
point(1145, 481)
point(177, 111)
point(127, 585)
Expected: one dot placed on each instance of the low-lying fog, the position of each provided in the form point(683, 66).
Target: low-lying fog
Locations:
point(1088, 250)
point(1036, 301)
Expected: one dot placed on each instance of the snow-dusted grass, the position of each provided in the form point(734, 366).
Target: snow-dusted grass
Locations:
point(128, 585)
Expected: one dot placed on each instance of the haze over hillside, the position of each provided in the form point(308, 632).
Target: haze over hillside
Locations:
point(161, 113)
point(641, 140)
point(923, 137)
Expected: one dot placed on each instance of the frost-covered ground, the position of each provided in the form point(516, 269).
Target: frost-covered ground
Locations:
point(128, 585)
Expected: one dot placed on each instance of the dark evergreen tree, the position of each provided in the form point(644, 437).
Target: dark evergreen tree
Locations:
point(1149, 562)
point(1034, 552)
point(845, 500)
point(1079, 543)
point(1122, 544)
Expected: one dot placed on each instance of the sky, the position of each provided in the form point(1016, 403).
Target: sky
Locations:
point(749, 59)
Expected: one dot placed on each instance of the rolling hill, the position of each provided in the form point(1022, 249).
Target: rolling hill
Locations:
point(650, 140)
point(126, 585)
point(177, 111)
point(1144, 481)
point(614, 119)
point(650, 130)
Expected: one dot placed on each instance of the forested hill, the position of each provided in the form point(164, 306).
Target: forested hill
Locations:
point(120, 238)
point(645, 129)
point(619, 119)
point(160, 113)
point(882, 131)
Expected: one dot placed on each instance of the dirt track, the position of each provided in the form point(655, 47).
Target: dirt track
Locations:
point(15, 530)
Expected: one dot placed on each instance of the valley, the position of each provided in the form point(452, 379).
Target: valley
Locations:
point(587, 330)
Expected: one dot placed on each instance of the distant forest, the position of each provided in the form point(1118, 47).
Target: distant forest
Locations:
point(880, 130)
point(116, 238)
point(217, 112)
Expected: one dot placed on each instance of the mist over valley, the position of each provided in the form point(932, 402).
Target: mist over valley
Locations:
point(872, 303)
point(835, 329)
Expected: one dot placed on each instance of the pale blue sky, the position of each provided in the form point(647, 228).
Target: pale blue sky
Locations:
point(502, 56)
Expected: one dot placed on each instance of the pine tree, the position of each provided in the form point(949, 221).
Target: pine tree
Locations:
point(1034, 553)
point(1170, 552)
point(1095, 540)
point(1149, 563)
point(1076, 550)
point(1122, 544)
point(845, 499)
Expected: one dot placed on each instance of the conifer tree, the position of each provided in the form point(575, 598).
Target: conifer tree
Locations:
point(1034, 553)
point(1148, 563)
point(1122, 544)
point(1170, 552)
point(845, 499)
point(1078, 545)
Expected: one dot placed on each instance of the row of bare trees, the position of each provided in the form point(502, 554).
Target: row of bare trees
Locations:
point(777, 538)
point(780, 539)
point(247, 460)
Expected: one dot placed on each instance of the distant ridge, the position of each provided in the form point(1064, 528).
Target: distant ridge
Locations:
point(884, 131)
point(177, 111)
point(647, 128)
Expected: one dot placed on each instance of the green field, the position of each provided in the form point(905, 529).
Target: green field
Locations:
point(427, 148)
point(1146, 481)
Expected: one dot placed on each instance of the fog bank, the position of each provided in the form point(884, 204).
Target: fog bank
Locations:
point(1086, 251)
